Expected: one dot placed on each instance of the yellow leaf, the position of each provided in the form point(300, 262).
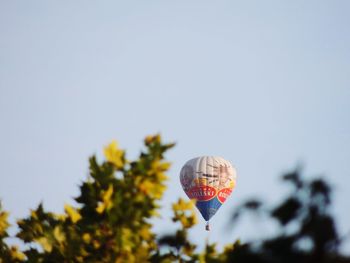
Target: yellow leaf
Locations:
point(33, 214)
point(3, 222)
point(145, 233)
point(152, 189)
point(96, 244)
point(45, 243)
point(182, 205)
point(161, 177)
point(157, 166)
point(142, 254)
point(16, 254)
point(114, 155)
point(59, 235)
point(126, 239)
point(107, 202)
point(152, 138)
point(154, 213)
point(188, 222)
point(106, 196)
point(83, 252)
point(87, 238)
point(72, 213)
point(100, 208)
point(79, 259)
point(157, 138)
point(148, 139)
point(158, 191)
point(61, 217)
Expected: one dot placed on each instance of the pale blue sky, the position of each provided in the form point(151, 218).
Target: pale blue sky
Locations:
point(265, 84)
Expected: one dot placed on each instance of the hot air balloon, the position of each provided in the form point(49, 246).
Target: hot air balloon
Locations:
point(209, 180)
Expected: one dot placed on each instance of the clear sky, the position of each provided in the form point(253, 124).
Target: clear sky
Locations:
point(265, 84)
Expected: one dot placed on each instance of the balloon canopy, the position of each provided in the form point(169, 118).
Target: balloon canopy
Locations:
point(209, 180)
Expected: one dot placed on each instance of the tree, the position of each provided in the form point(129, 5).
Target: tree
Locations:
point(313, 237)
point(111, 220)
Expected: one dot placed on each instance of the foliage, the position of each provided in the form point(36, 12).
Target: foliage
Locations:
point(308, 231)
point(7, 253)
point(111, 220)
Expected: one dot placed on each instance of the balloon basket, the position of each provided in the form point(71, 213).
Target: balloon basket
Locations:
point(207, 227)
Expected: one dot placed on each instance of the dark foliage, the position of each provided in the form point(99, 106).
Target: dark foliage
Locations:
point(315, 240)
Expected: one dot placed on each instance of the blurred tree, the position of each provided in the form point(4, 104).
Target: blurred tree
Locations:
point(111, 221)
point(307, 228)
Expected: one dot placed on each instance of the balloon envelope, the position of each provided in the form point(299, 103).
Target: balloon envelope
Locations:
point(209, 180)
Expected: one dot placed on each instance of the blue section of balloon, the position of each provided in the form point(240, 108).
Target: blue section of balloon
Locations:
point(208, 208)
